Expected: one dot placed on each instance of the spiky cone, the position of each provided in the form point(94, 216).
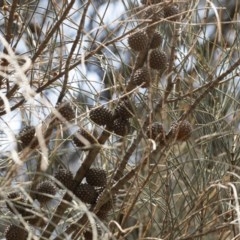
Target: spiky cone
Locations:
point(102, 214)
point(65, 177)
point(105, 208)
point(124, 109)
point(121, 126)
point(43, 188)
point(83, 139)
point(101, 115)
point(86, 193)
point(180, 131)
point(14, 232)
point(142, 78)
point(158, 60)
point(66, 111)
point(171, 12)
point(156, 132)
point(138, 41)
point(156, 40)
point(18, 203)
point(96, 177)
point(26, 138)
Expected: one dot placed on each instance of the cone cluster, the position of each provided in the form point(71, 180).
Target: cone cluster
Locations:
point(179, 131)
point(116, 121)
point(96, 178)
point(149, 41)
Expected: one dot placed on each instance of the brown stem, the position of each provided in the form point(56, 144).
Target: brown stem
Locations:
point(75, 43)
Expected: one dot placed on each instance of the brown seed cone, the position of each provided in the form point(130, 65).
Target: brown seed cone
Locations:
point(14, 232)
point(121, 126)
point(153, 14)
point(156, 40)
point(181, 131)
point(65, 109)
point(171, 12)
point(101, 115)
point(26, 136)
point(96, 177)
point(106, 207)
point(123, 109)
point(142, 77)
point(156, 132)
point(45, 187)
point(138, 41)
point(18, 203)
point(102, 214)
point(86, 193)
point(65, 177)
point(158, 60)
point(87, 137)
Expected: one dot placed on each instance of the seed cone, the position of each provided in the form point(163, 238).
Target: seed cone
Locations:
point(26, 137)
point(86, 193)
point(138, 41)
point(66, 111)
point(121, 126)
point(86, 135)
point(106, 207)
point(142, 76)
point(45, 187)
point(156, 132)
point(158, 60)
point(18, 203)
point(156, 40)
point(181, 131)
point(101, 115)
point(14, 232)
point(153, 14)
point(123, 109)
point(171, 12)
point(96, 177)
point(65, 177)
